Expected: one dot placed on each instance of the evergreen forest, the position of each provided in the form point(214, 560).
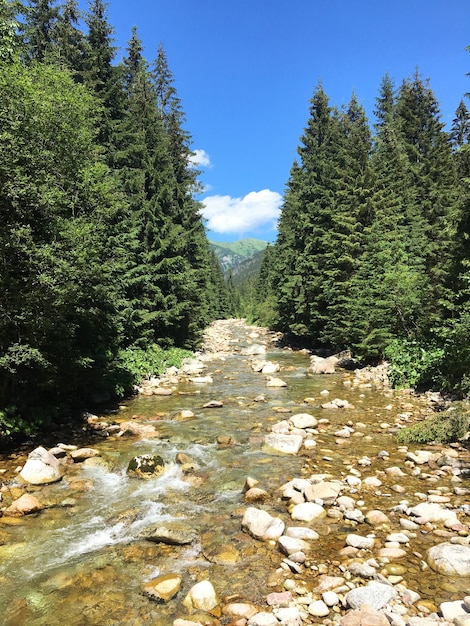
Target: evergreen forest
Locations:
point(372, 253)
point(106, 271)
point(107, 274)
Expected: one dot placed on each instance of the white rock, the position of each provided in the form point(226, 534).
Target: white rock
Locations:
point(451, 610)
point(288, 444)
point(302, 532)
point(318, 609)
point(261, 525)
point(357, 541)
point(275, 382)
point(201, 597)
point(330, 598)
point(303, 420)
point(263, 619)
point(307, 512)
point(290, 545)
point(41, 468)
point(289, 616)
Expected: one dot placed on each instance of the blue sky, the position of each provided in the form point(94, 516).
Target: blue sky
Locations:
point(246, 69)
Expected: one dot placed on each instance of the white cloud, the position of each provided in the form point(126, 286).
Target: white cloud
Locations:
point(200, 158)
point(258, 209)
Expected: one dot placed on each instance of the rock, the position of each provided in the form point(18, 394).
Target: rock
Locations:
point(213, 404)
point(318, 609)
point(41, 468)
point(327, 583)
point(270, 368)
point(146, 466)
point(261, 525)
point(163, 588)
point(303, 420)
point(255, 494)
point(201, 597)
point(200, 380)
point(363, 570)
point(375, 595)
point(432, 512)
point(326, 491)
point(263, 619)
point(254, 350)
point(146, 431)
point(290, 545)
point(184, 415)
point(307, 511)
point(377, 518)
point(162, 391)
point(301, 532)
point(275, 382)
point(330, 598)
point(362, 543)
point(319, 365)
point(84, 453)
point(366, 616)
point(288, 444)
point(279, 598)
point(449, 558)
point(289, 616)
point(239, 610)
point(24, 505)
point(451, 610)
point(169, 536)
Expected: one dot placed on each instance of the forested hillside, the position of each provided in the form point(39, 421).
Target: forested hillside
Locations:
point(373, 251)
point(103, 253)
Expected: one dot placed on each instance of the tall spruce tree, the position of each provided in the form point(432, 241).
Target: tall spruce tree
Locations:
point(429, 153)
point(38, 28)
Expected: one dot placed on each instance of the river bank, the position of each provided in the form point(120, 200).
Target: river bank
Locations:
point(284, 500)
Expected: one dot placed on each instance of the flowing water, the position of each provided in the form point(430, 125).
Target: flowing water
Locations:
point(82, 560)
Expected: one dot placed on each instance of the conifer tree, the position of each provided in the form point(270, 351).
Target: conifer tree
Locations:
point(435, 181)
point(40, 21)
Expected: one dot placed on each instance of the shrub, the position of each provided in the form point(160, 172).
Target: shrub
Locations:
point(445, 427)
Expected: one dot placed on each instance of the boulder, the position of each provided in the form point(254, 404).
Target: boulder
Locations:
point(375, 595)
point(25, 504)
point(261, 525)
point(41, 468)
point(366, 616)
point(254, 350)
point(326, 491)
point(451, 559)
point(146, 466)
point(319, 365)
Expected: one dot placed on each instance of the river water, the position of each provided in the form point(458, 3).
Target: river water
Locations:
point(82, 560)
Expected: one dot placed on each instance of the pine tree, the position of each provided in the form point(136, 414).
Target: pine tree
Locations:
point(69, 40)
point(435, 181)
point(40, 21)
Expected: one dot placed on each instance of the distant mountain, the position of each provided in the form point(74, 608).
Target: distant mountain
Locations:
point(231, 254)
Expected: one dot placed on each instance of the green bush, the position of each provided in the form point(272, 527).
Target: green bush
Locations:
point(137, 364)
point(413, 364)
point(445, 427)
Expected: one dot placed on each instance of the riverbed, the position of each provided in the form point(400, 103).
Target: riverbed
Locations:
point(84, 559)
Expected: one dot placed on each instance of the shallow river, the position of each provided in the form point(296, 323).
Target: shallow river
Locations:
point(82, 560)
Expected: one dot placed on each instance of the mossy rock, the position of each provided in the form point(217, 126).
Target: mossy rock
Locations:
point(146, 466)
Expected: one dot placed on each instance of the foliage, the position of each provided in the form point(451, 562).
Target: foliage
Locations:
point(445, 427)
point(412, 364)
point(136, 365)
